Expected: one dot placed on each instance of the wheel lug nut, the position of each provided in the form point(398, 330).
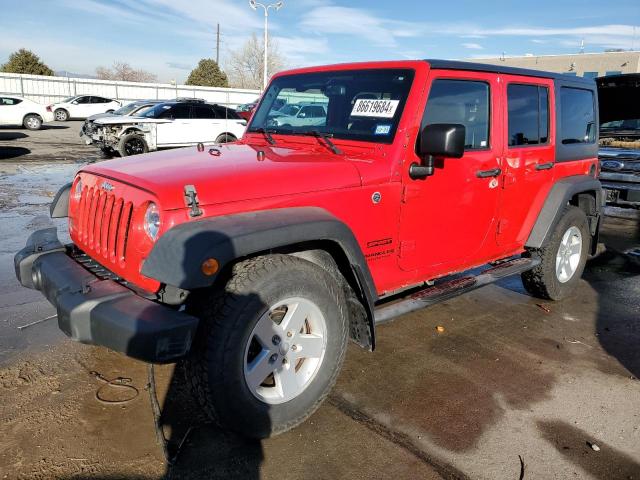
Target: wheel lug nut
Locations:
point(289, 334)
point(273, 358)
point(284, 361)
point(294, 347)
point(276, 340)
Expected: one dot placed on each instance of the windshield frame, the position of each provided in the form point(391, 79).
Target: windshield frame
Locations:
point(313, 131)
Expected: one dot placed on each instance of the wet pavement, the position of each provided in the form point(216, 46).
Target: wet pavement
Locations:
point(511, 385)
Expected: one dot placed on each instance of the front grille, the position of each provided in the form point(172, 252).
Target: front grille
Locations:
point(102, 224)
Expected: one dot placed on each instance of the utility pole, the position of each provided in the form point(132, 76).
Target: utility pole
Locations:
point(218, 44)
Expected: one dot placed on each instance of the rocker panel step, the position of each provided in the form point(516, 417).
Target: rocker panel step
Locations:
point(452, 288)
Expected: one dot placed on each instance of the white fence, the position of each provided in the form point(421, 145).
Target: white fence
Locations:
point(48, 90)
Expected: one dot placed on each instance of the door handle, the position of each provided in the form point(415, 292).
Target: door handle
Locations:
point(494, 172)
point(544, 166)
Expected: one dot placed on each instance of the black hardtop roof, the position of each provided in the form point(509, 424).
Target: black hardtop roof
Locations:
point(483, 67)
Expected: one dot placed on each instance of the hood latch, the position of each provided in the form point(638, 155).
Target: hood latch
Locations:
point(191, 200)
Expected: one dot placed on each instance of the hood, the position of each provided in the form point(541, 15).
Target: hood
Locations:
point(614, 93)
point(232, 173)
point(116, 119)
point(100, 115)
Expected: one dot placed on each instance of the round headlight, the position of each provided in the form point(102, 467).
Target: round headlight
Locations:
point(152, 221)
point(77, 193)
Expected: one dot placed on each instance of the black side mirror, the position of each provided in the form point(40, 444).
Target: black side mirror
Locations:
point(438, 140)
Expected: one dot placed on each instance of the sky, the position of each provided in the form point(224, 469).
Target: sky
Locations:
point(168, 37)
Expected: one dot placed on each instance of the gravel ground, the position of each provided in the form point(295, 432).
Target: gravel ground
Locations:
point(511, 385)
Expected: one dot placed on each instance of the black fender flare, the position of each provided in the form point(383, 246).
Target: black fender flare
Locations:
point(559, 195)
point(59, 207)
point(176, 258)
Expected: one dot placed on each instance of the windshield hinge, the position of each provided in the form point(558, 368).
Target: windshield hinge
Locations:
point(191, 200)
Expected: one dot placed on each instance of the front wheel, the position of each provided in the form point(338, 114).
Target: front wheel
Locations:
point(226, 138)
point(132, 144)
point(563, 259)
point(61, 115)
point(271, 345)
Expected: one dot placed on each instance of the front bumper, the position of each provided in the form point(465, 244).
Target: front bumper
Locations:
point(102, 312)
point(621, 189)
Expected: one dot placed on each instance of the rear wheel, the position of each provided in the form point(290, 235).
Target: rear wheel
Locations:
point(562, 259)
point(132, 144)
point(61, 115)
point(271, 345)
point(32, 122)
point(225, 138)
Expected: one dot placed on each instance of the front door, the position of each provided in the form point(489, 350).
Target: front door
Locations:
point(449, 216)
point(178, 129)
point(528, 155)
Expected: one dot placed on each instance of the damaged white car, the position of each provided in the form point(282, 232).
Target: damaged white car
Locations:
point(176, 123)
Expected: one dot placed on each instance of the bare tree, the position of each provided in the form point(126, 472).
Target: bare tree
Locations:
point(245, 65)
point(124, 72)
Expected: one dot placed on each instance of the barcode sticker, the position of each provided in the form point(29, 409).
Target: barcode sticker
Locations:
point(374, 108)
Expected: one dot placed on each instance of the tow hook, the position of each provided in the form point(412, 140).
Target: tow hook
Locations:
point(191, 200)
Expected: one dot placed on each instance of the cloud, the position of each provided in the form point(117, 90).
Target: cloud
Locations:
point(473, 46)
point(180, 66)
point(357, 22)
point(302, 50)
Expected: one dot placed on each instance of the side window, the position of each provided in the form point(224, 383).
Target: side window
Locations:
point(577, 118)
point(316, 112)
point(203, 111)
point(9, 101)
point(528, 114)
point(176, 111)
point(461, 101)
point(83, 100)
point(99, 100)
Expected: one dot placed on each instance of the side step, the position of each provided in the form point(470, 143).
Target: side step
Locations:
point(452, 288)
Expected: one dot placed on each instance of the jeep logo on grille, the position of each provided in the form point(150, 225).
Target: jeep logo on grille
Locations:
point(107, 186)
point(612, 165)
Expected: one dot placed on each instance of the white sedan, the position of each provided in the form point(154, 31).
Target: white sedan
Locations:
point(83, 106)
point(22, 111)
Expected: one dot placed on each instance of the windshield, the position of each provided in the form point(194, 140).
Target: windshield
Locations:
point(127, 109)
point(350, 104)
point(630, 124)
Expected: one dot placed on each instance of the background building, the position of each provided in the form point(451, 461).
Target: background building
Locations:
point(588, 65)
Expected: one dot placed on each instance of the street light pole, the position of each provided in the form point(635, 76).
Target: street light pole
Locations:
point(276, 6)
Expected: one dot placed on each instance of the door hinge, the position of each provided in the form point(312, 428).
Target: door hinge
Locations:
point(502, 226)
point(409, 192)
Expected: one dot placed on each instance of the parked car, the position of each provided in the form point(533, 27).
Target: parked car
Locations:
point(130, 109)
point(620, 139)
point(255, 261)
point(246, 109)
point(22, 111)
point(82, 106)
point(176, 123)
point(298, 114)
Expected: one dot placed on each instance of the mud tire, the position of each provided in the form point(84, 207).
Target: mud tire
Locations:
point(228, 315)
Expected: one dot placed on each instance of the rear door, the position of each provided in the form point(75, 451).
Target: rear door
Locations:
point(206, 124)
point(177, 130)
point(528, 155)
point(449, 216)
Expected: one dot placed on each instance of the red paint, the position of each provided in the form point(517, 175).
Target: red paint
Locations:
point(420, 230)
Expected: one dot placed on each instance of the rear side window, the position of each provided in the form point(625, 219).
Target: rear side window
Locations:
point(465, 102)
point(577, 119)
point(83, 100)
point(223, 112)
point(528, 112)
point(203, 111)
point(9, 101)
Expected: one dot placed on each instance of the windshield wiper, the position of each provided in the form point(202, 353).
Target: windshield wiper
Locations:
point(266, 133)
point(327, 138)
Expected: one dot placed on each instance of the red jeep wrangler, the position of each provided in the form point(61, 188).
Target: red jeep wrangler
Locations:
point(256, 261)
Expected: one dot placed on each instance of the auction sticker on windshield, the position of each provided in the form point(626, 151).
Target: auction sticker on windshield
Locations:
point(374, 108)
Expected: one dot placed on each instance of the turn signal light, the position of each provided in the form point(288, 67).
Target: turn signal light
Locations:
point(210, 267)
